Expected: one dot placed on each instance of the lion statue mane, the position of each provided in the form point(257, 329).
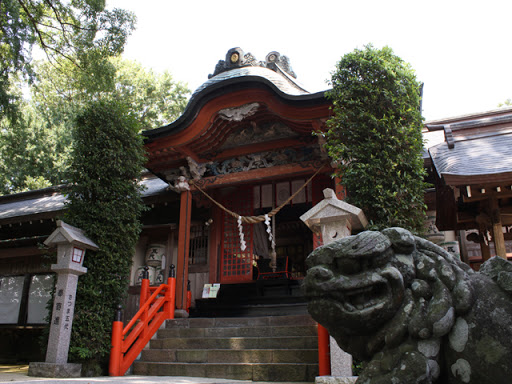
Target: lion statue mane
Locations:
point(410, 311)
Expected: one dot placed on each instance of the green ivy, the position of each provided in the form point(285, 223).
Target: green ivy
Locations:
point(104, 201)
point(375, 137)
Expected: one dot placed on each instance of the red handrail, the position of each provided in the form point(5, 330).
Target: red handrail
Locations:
point(128, 342)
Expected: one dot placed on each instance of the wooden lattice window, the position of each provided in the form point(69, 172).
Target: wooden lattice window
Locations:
point(198, 244)
point(236, 264)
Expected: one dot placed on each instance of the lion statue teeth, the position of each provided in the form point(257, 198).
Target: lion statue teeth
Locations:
point(410, 311)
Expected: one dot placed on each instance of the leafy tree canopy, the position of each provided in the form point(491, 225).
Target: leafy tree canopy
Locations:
point(79, 31)
point(155, 99)
point(506, 103)
point(375, 137)
point(35, 149)
point(33, 154)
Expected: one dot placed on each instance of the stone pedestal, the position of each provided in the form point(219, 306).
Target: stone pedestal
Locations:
point(335, 380)
point(60, 370)
point(341, 361)
point(334, 219)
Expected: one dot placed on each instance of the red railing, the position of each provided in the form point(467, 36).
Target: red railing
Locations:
point(128, 342)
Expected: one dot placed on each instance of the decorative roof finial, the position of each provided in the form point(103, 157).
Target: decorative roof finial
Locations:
point(237, 58)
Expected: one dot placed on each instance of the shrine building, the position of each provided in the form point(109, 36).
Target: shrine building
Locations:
point(244, 145)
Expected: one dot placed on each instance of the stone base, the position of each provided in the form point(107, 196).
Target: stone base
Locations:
point(335, 380)
point(54, 370)
point(341, 361)
point(180, 314)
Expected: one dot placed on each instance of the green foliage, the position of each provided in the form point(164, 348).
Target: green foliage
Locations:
point(32, 154)
point(104, 201)
point(357, 367)
point(375, 137)
point(82, 32)
point(506, 103)
point(153, 99)
point(35, 149)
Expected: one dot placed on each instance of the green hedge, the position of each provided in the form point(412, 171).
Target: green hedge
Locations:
point(375, 137)
point(104, 201)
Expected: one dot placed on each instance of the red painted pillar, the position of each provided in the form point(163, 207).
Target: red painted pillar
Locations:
point(183, 249)
point(324, 344)
point(324, 352)
point(170, 293)
point(116, 352)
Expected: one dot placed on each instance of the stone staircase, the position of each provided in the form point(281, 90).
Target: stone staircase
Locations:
point(270, 348)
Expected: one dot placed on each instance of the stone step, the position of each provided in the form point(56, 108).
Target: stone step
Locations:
point(236, 343)
point(286, 372)
point(226, 322)
point(206, 309)
point(227, 356)
point(263, 348)
point(233, 331)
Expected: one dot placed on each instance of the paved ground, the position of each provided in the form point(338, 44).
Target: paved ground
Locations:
point(18, 373)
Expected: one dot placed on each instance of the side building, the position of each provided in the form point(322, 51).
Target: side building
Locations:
point(471, 165)
point(26, 280)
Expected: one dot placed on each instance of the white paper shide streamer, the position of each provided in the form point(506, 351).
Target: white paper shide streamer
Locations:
point(269, 231)
point(273, 261)
point(243, 245)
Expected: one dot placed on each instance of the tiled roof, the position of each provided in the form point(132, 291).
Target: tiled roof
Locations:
point(281, 81)
point(32, 206)
point(36, 204)
point(487, 154)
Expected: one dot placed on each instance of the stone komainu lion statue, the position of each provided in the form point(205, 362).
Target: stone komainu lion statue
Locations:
point(411, 312)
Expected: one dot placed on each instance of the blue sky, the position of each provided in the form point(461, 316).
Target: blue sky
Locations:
point(459, 49)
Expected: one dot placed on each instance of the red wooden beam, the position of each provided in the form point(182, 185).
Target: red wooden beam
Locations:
point(183, 249)
point(262, 174)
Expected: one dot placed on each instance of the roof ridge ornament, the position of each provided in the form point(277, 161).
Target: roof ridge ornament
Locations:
point(237, 58)
point(448, 136)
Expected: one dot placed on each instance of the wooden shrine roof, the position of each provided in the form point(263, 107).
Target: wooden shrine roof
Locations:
point(247, 107)
point(486, 158)
point(273, 75)
point(476, 149)
point(282, 82)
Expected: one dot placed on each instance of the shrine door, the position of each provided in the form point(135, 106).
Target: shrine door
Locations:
point(236, 265)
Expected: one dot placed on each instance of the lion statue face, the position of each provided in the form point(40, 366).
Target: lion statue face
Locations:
point(410, 311)
point(354, 283)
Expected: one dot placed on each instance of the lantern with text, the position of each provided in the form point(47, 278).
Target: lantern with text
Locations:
point(71, 244)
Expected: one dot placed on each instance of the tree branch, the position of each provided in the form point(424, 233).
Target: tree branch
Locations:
point(35, 25)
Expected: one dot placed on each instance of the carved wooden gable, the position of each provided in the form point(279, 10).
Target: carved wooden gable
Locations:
point(250, 116)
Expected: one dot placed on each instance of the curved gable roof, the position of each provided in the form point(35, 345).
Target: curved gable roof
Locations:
point(281, 82)
point(275, 74)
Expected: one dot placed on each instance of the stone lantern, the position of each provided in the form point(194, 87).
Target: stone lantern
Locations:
point(334, 219)
point(71, 246)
